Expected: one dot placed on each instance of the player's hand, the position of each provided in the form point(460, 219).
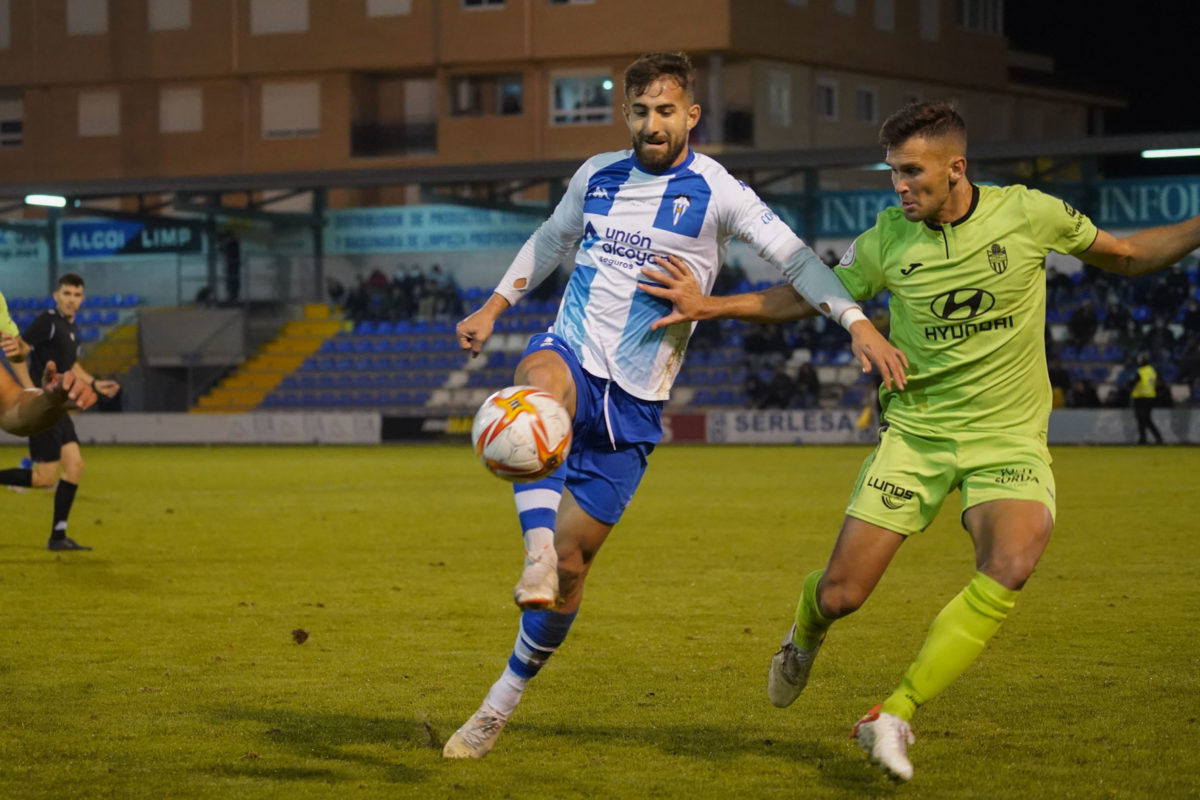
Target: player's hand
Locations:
point(473, 331)
point(10, 346)
point(66, 389)
point(106, 387)
point(674, 282)
point(872, 349)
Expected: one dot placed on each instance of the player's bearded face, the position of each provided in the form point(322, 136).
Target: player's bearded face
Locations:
point(659, 121)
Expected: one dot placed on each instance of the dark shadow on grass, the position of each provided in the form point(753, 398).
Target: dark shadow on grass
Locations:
point(330, 737)
point(844, 768)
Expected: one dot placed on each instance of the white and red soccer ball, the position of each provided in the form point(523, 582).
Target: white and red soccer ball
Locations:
point(521, 434)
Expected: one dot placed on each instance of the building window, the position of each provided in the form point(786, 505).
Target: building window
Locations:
point(100, 113)
point(5, 24)
point(510, 94)
point(389, 8)
point(931, 22)
point(482, 3)
point(779, 98)
point(984, 16)
point(844, 7)
point(169, 15)
point(181, 110)
point(475, 95)
point(290, 110)
point(12, 119)
point(581, 100)
point(827, 100)
point(885, 15)
point(87, 17)
point(278, 16)
point(867, 105)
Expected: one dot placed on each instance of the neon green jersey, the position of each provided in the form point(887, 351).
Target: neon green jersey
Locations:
point(6, 321)
point(968, 308)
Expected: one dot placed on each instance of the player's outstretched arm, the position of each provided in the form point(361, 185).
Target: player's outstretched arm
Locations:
point(1144, 251)
point(28, 411)
point(108, 388)
point(675, 282)
point(473, 331)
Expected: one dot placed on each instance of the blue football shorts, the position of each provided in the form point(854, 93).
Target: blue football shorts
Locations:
point(612, 437)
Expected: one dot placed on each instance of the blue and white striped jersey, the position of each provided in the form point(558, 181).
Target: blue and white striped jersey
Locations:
point(622, 216)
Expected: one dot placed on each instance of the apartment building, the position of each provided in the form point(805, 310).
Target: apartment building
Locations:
point(107, 89)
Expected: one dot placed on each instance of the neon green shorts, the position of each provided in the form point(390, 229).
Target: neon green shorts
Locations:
point(904, 482)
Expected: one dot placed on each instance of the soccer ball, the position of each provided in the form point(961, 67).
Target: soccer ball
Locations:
point(521, 434)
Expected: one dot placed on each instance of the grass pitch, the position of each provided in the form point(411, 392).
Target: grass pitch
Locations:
point(165, 664)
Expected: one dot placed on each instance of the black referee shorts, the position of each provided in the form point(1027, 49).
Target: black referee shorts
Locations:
point(46, 447)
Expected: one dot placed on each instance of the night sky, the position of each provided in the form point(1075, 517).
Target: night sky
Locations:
point(1150, 58)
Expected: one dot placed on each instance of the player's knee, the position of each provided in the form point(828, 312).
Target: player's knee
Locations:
point(837, 599)
point(73, 470)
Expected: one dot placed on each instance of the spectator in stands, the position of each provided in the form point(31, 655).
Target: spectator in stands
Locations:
point(808, 386)
point(1082, 394)
point(1116, 318)
point(1060, 381)
point(1191, 317)
point(781, 389)
point(336, 290)
point(1083, 324)
point(1160, 338)
point(1189, 361)
point(1058, 287)
point(1144, 392)
point(231, 253)
point(1178, 285)
point(1161, 299)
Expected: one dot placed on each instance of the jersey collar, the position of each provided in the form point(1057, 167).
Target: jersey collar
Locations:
point(970, 210)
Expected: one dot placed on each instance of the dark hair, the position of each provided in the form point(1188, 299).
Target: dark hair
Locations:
point(70, 279)
point(922, 119)
point(652, 66)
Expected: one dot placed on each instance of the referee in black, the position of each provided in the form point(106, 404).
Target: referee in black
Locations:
point(52, 337)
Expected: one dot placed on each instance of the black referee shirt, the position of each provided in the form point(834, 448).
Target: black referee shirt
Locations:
point(51, 337)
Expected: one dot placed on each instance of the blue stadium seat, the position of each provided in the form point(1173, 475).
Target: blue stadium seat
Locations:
point(364, 327)
point(1068, 353)
point(384, 328)
point(1089, 353)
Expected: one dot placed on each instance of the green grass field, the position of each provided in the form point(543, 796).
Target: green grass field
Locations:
point(163, 664)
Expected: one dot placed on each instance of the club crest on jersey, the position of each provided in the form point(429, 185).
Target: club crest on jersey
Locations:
point(997, 258)
point(682, 203)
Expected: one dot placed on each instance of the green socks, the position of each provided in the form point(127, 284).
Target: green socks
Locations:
point(956, 638)
point(810, 625)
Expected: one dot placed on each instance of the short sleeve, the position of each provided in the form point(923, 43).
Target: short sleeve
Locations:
point(860, 269)
point(6, 321)
point(1057, 225)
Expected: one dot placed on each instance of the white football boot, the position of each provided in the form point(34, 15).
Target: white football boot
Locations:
point(538, 586)
point(885, 738)
point(477, 735)
point(789, 670)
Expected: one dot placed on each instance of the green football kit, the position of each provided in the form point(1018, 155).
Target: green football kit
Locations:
point(968, 308)
point(6, 321)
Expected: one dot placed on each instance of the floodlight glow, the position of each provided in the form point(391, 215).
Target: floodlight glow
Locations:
point(48, 200)
point(1176, 152)
point(607, 85)
point(880, 167)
